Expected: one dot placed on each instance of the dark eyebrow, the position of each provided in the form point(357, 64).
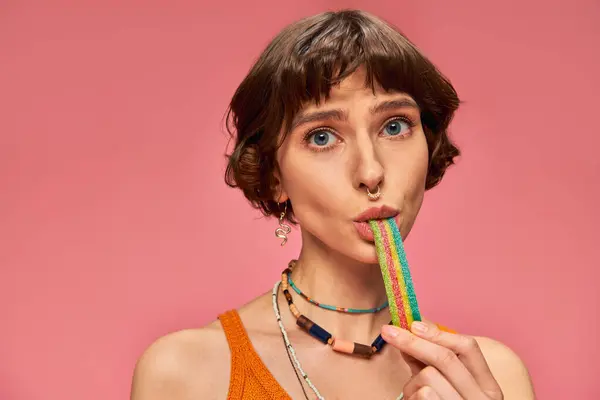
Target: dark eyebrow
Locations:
point(329, 115)
point(341, 115)
point(393, 105)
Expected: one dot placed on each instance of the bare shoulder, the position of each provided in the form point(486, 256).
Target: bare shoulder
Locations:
point(508, 369)
point(188, 364)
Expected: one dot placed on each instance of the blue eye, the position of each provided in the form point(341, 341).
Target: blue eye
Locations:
point(321, 138)
point(394, 128)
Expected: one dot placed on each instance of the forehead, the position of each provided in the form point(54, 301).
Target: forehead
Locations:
point(353, 97)
point(357, 81)
point(355, 93)
point(354, 88)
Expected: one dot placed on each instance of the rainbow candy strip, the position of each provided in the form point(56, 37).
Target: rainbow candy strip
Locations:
point(396, 275)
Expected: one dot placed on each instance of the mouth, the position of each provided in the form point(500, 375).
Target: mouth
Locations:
point(361, 222)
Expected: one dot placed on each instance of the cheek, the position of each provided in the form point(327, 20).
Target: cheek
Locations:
point(413, 197)
point(312, 187)
point(416, 175)
point(419, 173)
point(421, 161)
point(411, 167)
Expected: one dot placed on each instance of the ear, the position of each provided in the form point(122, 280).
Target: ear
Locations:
point(280, 194)
point(282, 198)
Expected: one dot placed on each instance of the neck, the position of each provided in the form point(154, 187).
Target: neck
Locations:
point(332, 278)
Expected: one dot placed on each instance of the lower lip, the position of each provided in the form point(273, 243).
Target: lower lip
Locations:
point(365, 232)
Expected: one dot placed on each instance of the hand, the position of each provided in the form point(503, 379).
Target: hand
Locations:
point(453, 366)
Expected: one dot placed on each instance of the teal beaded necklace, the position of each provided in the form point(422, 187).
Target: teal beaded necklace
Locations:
point(334, 308)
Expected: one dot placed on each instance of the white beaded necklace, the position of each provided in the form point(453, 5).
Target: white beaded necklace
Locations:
point(290, 348)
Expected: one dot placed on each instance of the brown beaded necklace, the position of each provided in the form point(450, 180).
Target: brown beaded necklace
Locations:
point(316, 331)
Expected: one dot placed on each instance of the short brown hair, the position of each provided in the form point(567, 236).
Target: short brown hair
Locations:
point(300, 65)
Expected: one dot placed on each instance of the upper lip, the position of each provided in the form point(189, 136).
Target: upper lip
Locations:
point(376, 213)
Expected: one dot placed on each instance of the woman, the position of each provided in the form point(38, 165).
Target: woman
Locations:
point(341, 120)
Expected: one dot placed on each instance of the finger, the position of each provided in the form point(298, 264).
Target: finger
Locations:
point(465, 347)
point(431, 377)
point(415, 365)
point(442, 358)
point(425, 393)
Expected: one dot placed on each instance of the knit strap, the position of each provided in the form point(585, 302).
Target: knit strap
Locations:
point(234, 331)
point(245, 360)
point(237, 340)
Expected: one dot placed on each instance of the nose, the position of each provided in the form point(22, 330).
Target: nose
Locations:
point(369, 170)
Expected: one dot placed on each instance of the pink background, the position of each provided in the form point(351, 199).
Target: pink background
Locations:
point(117, 227)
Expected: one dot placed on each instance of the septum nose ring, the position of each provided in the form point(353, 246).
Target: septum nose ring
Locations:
point(374, 196)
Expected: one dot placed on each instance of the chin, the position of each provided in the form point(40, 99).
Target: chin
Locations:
point(364, 252)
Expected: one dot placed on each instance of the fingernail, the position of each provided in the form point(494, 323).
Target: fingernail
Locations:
point(419, 327)
point(390, 331)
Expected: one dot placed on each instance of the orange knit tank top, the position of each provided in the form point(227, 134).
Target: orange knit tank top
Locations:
point(250, 379)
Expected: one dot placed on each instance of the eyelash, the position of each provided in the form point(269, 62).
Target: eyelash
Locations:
point(411, 124)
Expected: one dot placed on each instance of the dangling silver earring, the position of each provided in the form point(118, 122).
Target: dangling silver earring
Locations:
point(283, 229)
